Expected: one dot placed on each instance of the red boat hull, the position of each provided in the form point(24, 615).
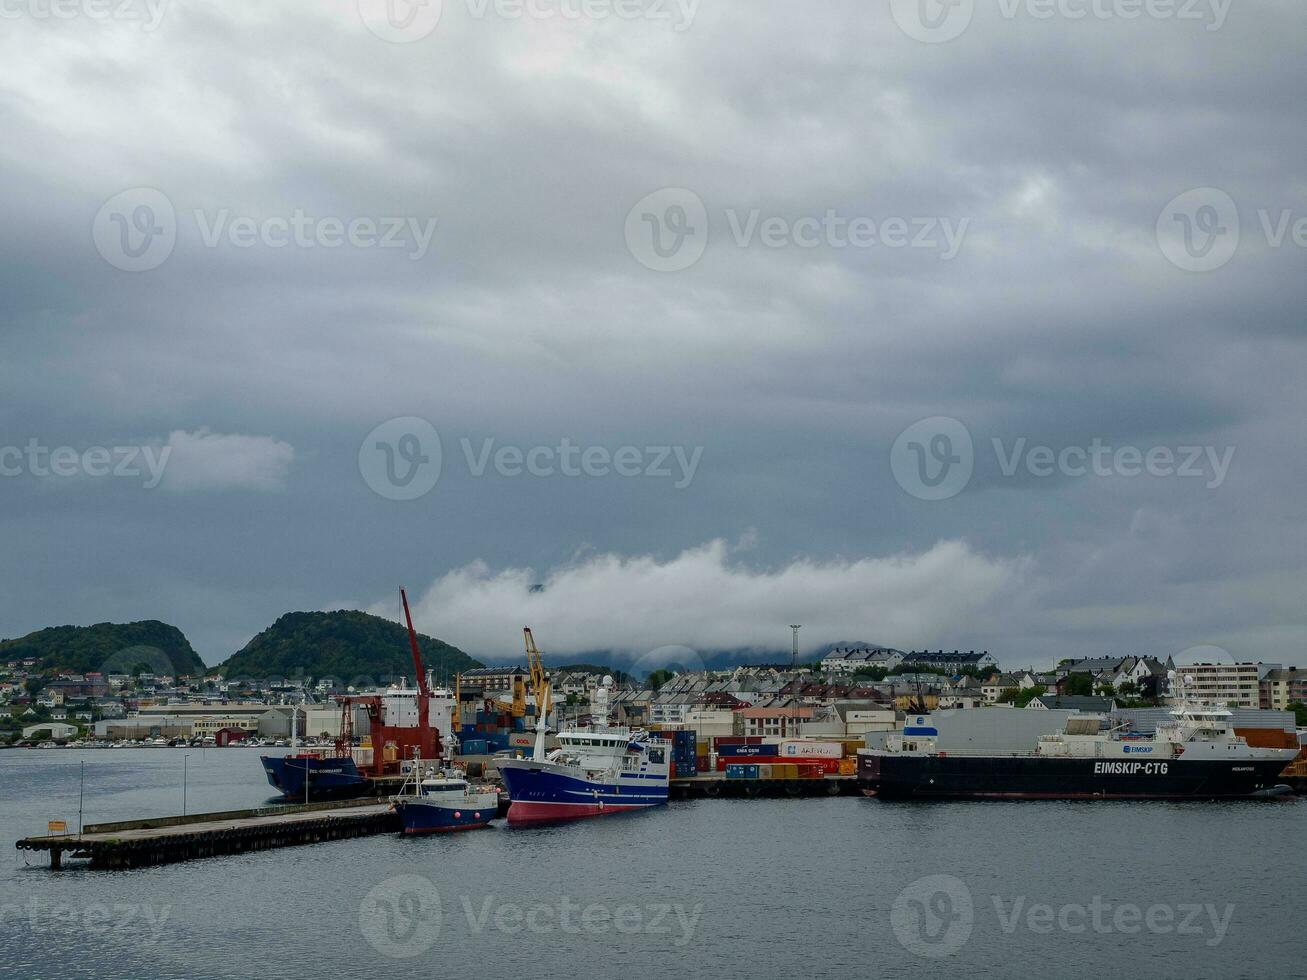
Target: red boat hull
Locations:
point(521, 813)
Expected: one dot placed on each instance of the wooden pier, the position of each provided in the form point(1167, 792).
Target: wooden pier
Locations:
point(164, 840)
point(136, 843)
point(715, 784)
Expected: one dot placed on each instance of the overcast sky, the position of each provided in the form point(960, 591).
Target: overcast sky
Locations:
point(931, 326)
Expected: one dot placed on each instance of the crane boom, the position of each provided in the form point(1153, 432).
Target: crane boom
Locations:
point(428, 739)
point(413, 646)
point(539, 688)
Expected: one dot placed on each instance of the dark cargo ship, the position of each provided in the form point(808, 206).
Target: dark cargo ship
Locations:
point(1194, 756)
point(402, 723)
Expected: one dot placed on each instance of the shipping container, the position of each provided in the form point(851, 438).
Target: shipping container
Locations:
point(801, 748)
point(993, 731)
point(1268, 738)
point(822, 765)
point(748, 749)
point(741, 771)
point(720, 740)
point(848, 766)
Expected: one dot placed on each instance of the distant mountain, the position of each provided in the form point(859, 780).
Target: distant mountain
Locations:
point(682, 659)
point(346, 645)
point(110, 648)
point(822, 651)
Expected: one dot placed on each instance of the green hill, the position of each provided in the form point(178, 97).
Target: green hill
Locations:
point(110, 648)
point(345, 645)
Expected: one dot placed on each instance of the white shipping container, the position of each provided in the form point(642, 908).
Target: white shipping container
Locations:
point(806, 749)
point(988, 731)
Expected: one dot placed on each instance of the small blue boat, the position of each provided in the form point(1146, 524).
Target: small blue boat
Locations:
point(437, 801)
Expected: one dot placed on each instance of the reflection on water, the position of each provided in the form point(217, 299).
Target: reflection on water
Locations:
point(717, 888)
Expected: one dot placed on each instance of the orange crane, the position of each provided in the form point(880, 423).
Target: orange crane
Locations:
point(539, 689)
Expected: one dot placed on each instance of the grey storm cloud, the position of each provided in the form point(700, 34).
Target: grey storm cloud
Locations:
point(272, 326)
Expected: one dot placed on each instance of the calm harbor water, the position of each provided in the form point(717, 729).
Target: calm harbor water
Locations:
point(827, 887)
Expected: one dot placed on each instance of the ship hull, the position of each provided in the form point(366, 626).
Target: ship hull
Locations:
point(1032, 777)
point(421, 817)
point(541, 793)
point(329, 778)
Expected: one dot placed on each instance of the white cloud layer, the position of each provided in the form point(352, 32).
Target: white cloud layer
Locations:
point(705, 600)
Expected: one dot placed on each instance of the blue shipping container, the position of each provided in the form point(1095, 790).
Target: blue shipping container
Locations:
point(740, 770)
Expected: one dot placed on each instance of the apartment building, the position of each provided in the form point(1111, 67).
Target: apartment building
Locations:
point(1235, 683)
point(1282, 687)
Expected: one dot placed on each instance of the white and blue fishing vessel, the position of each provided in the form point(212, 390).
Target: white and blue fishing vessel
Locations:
point(435, 800)
point(595, 770)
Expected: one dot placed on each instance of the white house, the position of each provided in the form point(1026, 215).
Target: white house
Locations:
point(994, 686)
point(845, 660)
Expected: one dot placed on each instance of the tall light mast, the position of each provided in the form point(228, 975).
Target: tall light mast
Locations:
point(794, 668)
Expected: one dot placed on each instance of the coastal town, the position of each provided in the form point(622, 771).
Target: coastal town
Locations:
point(851, 691)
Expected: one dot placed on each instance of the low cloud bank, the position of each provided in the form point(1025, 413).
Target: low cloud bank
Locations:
point(705, 599)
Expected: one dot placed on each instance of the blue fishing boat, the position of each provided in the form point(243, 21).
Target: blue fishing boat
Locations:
point(596, 770)
point(436, 801)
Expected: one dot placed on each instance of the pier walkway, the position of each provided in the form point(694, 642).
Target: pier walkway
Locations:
point(134, 843)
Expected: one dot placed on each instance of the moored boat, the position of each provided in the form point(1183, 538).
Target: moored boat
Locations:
point(436, 800)
point(402, 722)
point(596, 770)
point(1195, 755)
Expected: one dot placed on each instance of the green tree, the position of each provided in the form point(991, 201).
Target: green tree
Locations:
point(1299, 713)
point(873, 674)
point(1078, 685)
point(658, 678)
point(1023, 698)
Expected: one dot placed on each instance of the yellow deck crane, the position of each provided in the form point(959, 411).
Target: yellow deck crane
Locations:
point(539, 690)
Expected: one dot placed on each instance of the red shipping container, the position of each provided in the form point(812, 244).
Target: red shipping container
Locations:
point(818, 766)
point(719, 740)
